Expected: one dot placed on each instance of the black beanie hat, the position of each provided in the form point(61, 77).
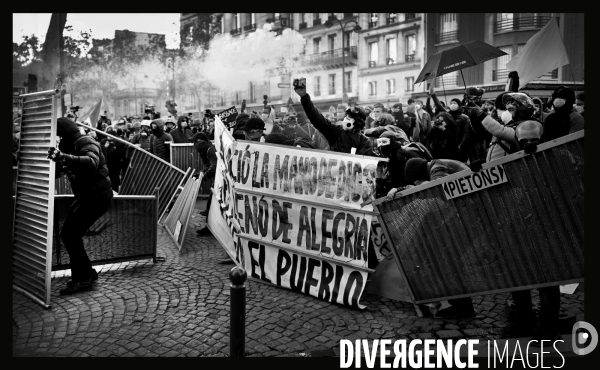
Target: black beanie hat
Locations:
point(498, 104)
point(416, 169)
point(457, 100)
point(65, 128)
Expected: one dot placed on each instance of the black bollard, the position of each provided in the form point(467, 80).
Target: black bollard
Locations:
point(237, 324)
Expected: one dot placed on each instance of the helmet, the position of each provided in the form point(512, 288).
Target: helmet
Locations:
point(521, 98)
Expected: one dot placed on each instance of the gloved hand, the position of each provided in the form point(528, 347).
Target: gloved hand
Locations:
point(475, 113)
point(476, 166)
point(55, 154)
point(300, 90)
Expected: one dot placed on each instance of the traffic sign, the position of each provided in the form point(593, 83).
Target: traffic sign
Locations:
point(284, 85)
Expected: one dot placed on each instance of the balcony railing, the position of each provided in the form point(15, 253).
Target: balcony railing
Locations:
point(316, 22)
point(390, 61)
point(235, 31)
point(446, 37)
point(410, 57)
point(331, 56)
point(551, 75)
point(372, 63)
point(275, 98)
point(448, 80)
point(250, 27)
point(348, 15)
point(408, 16)
point(302, 25)
point(390, 20)
point(521, 23)
point(372, 24)
point(499, 74)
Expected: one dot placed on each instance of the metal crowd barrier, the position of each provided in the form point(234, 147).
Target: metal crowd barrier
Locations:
point(33, 206)
point(184, 156)
point(126, 232)
point(524, 233)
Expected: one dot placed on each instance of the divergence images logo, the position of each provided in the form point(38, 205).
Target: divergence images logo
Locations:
point(585, 338)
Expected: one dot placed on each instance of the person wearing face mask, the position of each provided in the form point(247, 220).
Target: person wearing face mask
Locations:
point(579, 104)
point(564, 120)
point(158, 139)
point(182, 134)
point(442, 138)
point(344, 135)
point(80, 157)
point(539, 114)
point(252, 130)
point(114, 152)
point(142, 138)
point(520, 107)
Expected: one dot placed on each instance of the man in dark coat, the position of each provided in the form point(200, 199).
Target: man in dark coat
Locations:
point(345, 135)
point(80, 157)
point(182, 133)
point(564, 120)
point(158, 140)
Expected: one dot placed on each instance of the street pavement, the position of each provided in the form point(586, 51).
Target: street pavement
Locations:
point(180, 307)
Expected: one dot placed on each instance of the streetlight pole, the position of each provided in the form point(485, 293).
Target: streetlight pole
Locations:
point(357, 28)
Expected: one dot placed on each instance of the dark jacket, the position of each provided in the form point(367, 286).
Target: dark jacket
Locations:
point(86, 168)
point(208, 154)
point(157, 142)
point(443, 143)
point(144, 141)
point(339, 140)
point(181, 135)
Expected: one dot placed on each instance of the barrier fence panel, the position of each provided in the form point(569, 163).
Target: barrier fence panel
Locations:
point(34, 205)
point(163, 216)
point(455, 237)
point(146, 172)
point(126, 232)
point(178, 219)
point(184, 156)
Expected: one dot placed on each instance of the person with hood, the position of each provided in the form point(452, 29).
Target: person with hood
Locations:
point(399, 120)
point(80, 157)
point(240, 121)
point(208, 155)
point(398, 152)
point(442, 138)
point(169, 124)
point(564, 120)
point(345, 135)
point(182, 134)
point(539, 113)
point(422, 125)
point(158, 139)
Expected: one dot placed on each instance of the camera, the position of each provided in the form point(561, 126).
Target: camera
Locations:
point(149, 108)
point(473, 95)
point(299, 83)
point(75, 108)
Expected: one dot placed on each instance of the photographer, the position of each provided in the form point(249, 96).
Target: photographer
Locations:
point(103, 122)
point(345, 135)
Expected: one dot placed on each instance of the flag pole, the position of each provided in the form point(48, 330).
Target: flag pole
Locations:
point(445, 99)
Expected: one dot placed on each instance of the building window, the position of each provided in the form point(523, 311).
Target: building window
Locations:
point(390, 86)
point(302, 17)
point(316, 19)
point(410, 82)
point(236, 20)
point(392, 18)
point(331, 42)
point(332, 84)
point(348, 82)
point(449, 79)
point(448, 28)
point(519, 21)
point(499, 72)
point(316, 45)
point(373, 88)
point(373, 21)
point(408, 16)
point(348, 39)
point(390, 47)
point(373, 54)
point(411, 47)
point(317, 85)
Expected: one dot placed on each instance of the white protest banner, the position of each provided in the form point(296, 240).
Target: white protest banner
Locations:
point(221, 221)
point(474, 182)
point(321, 278)
point(308, 175)
point(339, 234)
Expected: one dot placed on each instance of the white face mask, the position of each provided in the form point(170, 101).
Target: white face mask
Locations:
point(453, 106)
point(418, 107)
point(506, 117)
point(347, 123)
point(558, 102)
point(579, 108)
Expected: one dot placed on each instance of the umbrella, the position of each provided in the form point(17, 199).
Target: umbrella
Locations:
point(458, 58)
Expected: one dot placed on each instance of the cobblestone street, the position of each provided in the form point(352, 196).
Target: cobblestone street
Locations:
point(180, 307)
